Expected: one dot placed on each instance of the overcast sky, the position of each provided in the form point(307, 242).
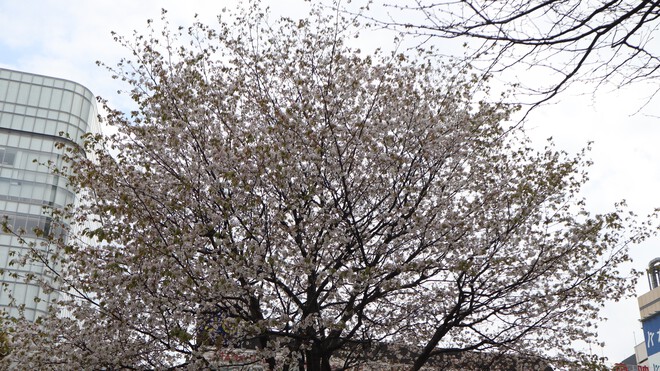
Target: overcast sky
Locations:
point(65, 38)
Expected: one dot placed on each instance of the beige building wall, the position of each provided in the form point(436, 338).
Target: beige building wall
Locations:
point(649, 303)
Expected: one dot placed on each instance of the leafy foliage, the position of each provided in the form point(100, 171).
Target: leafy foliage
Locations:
point(275, 187)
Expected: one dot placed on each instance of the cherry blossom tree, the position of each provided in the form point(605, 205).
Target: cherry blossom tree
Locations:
point(564, 40)
point(278, 190)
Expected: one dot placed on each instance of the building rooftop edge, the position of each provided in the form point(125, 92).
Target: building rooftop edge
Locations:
point(48, 76)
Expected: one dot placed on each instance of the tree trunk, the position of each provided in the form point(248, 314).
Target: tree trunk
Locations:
point(325, 362)
point(317, 359)
point(314, 358)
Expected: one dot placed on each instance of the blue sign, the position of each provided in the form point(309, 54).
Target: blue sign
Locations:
point(651, 328)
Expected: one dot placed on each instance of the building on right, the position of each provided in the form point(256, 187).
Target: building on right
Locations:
point(36, 113)
point(647, 353)
point(649, 312)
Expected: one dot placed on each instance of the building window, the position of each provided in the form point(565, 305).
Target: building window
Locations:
point(7, 156)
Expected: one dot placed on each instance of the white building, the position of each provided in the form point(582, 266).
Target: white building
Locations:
point(35, 112)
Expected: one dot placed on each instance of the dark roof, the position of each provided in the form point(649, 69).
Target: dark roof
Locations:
point(632, 360)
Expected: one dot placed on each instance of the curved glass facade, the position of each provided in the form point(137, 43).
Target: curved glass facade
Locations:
point(36, 112)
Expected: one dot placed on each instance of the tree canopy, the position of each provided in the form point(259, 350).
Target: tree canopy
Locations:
point(277, 189)
point(571, 40)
